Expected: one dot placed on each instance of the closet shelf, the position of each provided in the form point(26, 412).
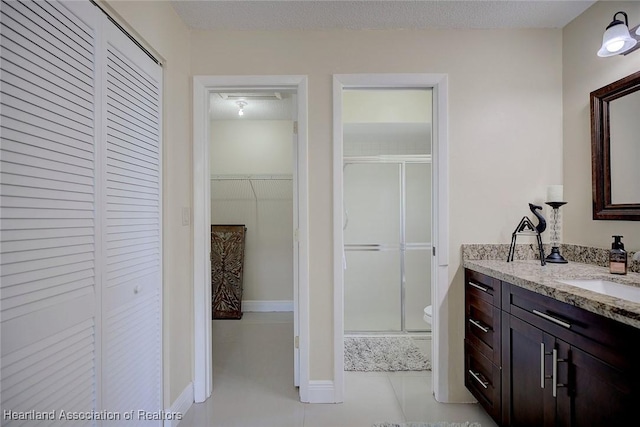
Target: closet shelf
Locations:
point(237, 177)
point(251, 187)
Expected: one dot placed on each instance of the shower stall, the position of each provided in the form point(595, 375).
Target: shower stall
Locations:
point(387, 217)
point(387, 235)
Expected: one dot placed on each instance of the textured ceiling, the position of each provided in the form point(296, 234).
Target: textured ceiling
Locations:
point(368, 14)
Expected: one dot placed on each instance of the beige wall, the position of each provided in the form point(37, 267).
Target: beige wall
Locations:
point(505, 127)
point(584, 72)
point(257, 147)
point(158, 25)
point(251, 147)
point(387, 106)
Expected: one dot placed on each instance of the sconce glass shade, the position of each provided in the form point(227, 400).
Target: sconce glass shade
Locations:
point(616, 38)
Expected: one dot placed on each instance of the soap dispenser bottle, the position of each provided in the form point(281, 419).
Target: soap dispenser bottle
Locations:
point(617, 257)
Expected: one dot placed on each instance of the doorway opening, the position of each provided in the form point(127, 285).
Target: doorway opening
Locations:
point(250, 169)
point(395, 159)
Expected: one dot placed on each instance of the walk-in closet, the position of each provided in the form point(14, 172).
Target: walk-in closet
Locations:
point(252, 185)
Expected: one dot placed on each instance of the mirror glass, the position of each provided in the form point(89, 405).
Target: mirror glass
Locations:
point(624, 129)
point(615, 150)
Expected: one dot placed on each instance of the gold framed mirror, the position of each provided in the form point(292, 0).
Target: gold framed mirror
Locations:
point(615, 150)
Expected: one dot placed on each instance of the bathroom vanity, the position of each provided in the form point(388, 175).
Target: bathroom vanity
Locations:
point(542, 352)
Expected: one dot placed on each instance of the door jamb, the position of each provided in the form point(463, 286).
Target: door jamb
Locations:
point(202, 356)
point(440, 185)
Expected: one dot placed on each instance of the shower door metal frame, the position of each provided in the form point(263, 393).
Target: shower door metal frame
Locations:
point(403, 246)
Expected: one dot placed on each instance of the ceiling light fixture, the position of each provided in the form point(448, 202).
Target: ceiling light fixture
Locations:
point(241, 105)
point(617, 39)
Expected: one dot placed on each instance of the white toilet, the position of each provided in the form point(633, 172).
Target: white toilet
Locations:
point(427, 314)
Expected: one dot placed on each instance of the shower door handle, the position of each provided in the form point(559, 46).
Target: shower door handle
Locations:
point(346, 220)
point(369, 247)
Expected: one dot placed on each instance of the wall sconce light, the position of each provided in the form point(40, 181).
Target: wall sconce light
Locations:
point(616, 39)
point(241, 105)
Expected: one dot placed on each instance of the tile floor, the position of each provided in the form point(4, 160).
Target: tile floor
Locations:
point(253, 386)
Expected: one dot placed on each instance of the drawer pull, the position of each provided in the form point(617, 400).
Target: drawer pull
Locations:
point(478, 325)
point(482, 288)
point(555, 373)
point(552, 319)
point(476, 377)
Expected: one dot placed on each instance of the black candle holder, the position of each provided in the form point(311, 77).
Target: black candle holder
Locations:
point(555, 257)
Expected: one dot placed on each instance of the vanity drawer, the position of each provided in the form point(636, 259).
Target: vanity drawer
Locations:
point(482, 379)
point(482, 327)
point(605, 338)
point(483, 287)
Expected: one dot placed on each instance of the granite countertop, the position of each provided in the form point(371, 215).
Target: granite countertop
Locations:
point(529, 274)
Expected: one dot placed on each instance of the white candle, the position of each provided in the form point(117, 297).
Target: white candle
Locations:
point(554, 193)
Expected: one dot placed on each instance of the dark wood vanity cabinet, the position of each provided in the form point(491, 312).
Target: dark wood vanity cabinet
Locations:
point(482, 340)
point(560, 365)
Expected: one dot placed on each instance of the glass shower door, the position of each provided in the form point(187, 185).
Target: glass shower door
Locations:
point(418, 245)
point(372, 233)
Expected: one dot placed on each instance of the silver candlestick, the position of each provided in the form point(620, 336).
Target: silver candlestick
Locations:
point(555, 256)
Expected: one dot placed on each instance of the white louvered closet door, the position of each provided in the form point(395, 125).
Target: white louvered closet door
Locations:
point(132, 351)
point(48, 247)
point(80, 216)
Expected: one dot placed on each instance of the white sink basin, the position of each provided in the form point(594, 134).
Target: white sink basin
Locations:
point(605, 287)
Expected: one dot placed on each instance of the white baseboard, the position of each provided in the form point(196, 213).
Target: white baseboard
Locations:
point(321, 391)
point(269, 305)
point(180, 407)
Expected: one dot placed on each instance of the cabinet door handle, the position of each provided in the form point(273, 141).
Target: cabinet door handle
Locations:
point(476, 377)
point(542, 355)
point(478, 325)
point(482, 288)
point(541, 365)
point(552, 319)
point(555, 373)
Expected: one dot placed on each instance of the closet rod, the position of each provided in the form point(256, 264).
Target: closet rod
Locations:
point(251, 177)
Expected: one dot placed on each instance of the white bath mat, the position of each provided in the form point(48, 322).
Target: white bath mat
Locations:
point(383, 354)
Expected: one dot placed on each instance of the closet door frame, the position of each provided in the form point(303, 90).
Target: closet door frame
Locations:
point(203, 86)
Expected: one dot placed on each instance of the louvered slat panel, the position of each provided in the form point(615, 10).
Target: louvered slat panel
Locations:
point(124, 340)
point(47, 209)
point(46, 368)
point(132, 273)
point(38, 148)
point(41, 193)
point(37, 94)
point(25, 245)
point(26, 157)
point(117, 181)
point(138, 239)
point(128, 148)
point(20, 181)
point(119, 236)
point(117, 133)
point(37, 172)
point(37, 46)
point(118, 95)
point(51, 145)
point(78, 44)
point(47, 283)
